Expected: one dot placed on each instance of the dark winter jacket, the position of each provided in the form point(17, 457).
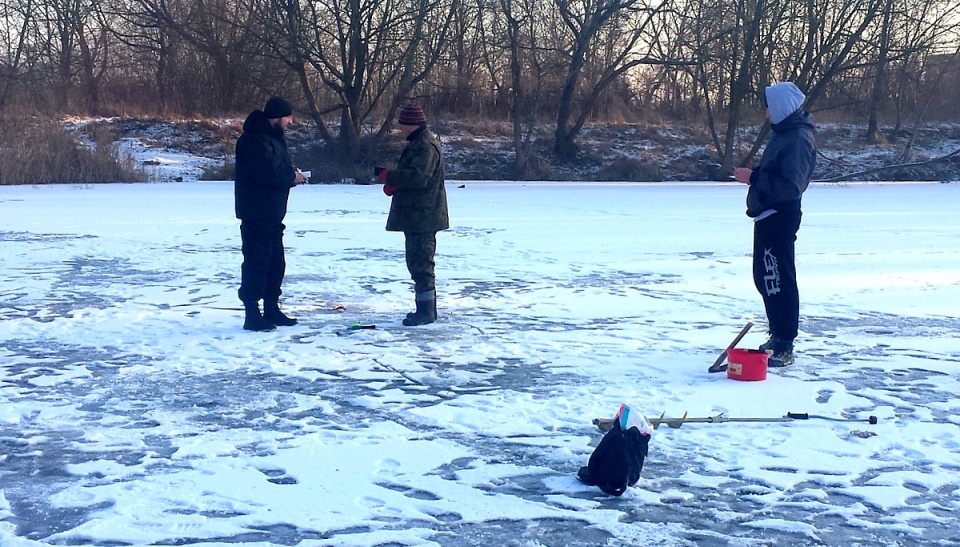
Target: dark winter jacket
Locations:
point(786, 166)
point(264, 171)
point(420, 201)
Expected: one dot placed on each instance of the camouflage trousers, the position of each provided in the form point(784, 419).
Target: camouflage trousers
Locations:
point(420, 249)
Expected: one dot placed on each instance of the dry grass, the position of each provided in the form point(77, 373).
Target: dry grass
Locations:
point(42, 152)
point(224, 171)
point(630, 170)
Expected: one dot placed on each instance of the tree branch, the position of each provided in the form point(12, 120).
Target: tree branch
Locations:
point(850, 176)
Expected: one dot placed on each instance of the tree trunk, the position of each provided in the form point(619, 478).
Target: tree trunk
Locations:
point(520, 167)
point(879, 82)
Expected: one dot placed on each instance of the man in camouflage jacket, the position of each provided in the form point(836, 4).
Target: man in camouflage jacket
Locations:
point(418, 207)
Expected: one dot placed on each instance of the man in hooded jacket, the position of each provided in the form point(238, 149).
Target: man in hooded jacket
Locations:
point(263, 178)
point(776, 186)
point(418, 207)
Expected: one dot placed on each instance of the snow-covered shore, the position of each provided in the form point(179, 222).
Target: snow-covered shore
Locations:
point(188, 150)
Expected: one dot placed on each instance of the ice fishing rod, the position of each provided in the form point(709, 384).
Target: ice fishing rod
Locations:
point(606, 424)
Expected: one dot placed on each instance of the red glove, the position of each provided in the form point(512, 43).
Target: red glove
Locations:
point(383, 175)
point(389, 190)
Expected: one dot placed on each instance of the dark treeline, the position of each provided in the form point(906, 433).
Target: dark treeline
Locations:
point(349, 65)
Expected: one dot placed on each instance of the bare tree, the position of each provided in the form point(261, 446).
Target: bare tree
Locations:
point(150, 42)
point(906, 33)
point(833, 47)
point(812, 43)
point(354, 55)
point(878, 93)
point(510, 29)
point(731, 42)
point(458, 72)
point(76, 40)
point(220, 64)
point(607, 36)
point(350, 64)
point(16, 19)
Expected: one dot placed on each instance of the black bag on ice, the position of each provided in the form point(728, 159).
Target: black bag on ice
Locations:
point(616, 462)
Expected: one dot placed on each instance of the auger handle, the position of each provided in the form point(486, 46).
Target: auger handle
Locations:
point(872, 420)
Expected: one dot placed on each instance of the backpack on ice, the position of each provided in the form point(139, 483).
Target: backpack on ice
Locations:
point(617, 461)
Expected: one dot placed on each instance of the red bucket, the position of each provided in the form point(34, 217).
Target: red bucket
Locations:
point(748, 365)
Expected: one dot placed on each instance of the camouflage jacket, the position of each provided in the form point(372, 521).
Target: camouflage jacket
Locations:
point(420, 201)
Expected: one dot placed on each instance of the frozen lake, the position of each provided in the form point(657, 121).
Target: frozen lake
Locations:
point(134, 410)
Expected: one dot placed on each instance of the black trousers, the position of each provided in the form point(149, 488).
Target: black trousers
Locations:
point(775, 271)
point(420, 249)
point(263, 262)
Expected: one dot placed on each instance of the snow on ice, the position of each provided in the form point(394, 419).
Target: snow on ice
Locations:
point(134, 410)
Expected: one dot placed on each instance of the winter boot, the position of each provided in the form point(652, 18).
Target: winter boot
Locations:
point(254, 321)
point(781, 354)
point(426, 310)
point(272, 313)
point(769, 344)
point(412, 313)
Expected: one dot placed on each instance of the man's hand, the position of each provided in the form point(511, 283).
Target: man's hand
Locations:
point(298, 178)
point(389, 190)
point(742, 174)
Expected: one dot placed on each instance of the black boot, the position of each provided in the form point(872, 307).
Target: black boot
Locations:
point(780, 359)
point(272, 313)
point(780, 354)
point(768, 345)
point(254, 321)
point(426, 310)
point(412, 313)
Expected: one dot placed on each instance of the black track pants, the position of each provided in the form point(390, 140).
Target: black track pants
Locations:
point(775, 271)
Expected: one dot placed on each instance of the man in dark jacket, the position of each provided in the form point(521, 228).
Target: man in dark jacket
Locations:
point(264, 176)
point(776, 186)
point(418, 207)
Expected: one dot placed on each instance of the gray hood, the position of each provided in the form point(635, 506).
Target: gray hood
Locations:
point(783, 99)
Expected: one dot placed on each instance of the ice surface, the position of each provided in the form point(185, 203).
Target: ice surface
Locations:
point(134, 410)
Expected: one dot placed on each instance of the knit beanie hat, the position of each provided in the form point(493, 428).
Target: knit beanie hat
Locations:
point(277, 107)
point(783, 99)
point(412, 114)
